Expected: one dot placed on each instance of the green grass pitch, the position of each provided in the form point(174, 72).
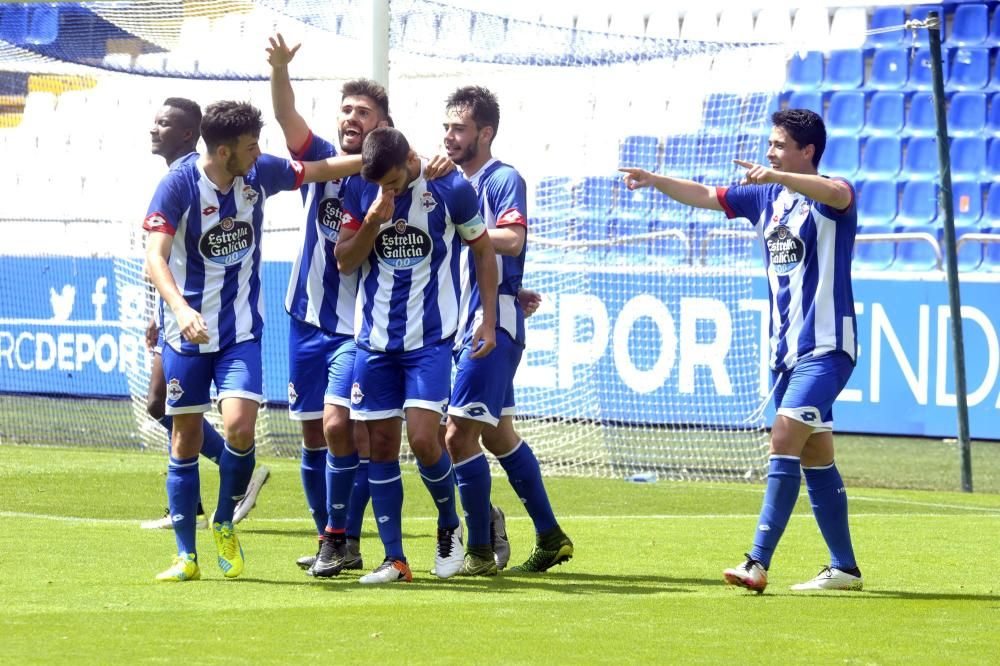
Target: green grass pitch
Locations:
point(644, 587)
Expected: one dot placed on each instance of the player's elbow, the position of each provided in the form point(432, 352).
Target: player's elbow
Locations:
point(842, 196)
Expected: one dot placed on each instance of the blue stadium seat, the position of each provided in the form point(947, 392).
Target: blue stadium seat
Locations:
point(920, 119)
point(669, 215)
point(806, 99)
point(992, 171)
point(631, 216)
point(969, 25)
point(919, 205)
point(885, 113)
point(14, 24)
point(552, 211)
point(920, 14)
point(886, 17)
point(921, 77)
point(842, 156)
point(805, 71)
point(846, 114)
point(753, 147)
point(593, 198)
point(967, 203)
point(917, 255)
point(968, 158)
point(873, 255)
point(679, 153)
point(970, 69)
point(970, 252)
point(881, 157)
point(993, 37)
point(921, 160)
point(43, 24)
point(994, 83)
point(877, 202)
point(640, 151)
point(845, 70)
point(714, 159)
point(890, 69)
point(991, 224)
point(993, 115)
point(967, 114)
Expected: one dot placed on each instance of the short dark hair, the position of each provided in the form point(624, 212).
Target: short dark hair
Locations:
point(370, 89)
point(481, 104)
point(190, 113)
point(225, 122)
point(805, 127)
point(384, 148)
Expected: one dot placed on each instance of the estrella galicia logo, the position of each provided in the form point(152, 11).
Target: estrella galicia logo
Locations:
point(786, 250)
point(329, 217)
point(227, 242)
point(401, 246)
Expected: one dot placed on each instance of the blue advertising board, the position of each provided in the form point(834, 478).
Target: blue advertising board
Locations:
point(619, 345)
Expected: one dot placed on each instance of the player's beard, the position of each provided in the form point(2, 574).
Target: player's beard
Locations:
point(470, 153)
point(234, 167)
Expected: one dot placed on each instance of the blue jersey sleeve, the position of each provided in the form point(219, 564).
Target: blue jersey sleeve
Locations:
point(316, 148)
point(167, 207)
point(748, 201)
point(463, 203)
point(508, 197)
point(276, 174)
point(352, 201)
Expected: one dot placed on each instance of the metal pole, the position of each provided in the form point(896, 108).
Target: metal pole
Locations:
point(380, 42)
point(951, 264)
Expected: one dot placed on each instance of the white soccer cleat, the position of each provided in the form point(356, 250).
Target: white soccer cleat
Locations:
point(751, 574)
point(249, 501)
point(390, 571)
point(498, 537)
point(165, 523)
point(831, 579)
point(450, 553)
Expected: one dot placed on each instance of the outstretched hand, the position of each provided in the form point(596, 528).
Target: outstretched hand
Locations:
point(636, 178)
point(278, 54)
point(757, 174)
point(438, 166)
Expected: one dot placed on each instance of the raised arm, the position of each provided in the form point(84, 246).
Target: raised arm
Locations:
point(834, 193)
point(354, 245)
point(679, 189)
point(192, 324)
point(293, 125)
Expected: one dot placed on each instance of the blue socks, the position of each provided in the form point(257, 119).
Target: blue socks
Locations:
point(386, 483)
point(829, 504)
point(440, 482)
point(313, 471)
point(359, 500)
point(783, 481)
point(235, 470)
point(525, 477)
point(474, 485)
point(183, 490)
point(212, 442)
point(340, 472)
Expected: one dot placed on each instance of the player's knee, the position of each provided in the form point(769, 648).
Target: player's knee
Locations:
point(462, 439)
point(240, 436)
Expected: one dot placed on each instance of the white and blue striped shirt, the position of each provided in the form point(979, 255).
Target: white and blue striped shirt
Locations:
point(807, 253)
point(409, 291)
point(502, 202)
point(215, 256)
point(318, 293)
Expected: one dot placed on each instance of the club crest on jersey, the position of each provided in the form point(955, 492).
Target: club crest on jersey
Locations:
point(785, 249)
point(329, 217)
point(356, 395)
point(174, 390)
point(250, 195)
point(402, 246)
point(427, 202)
point(292, 395)
point(227, 242)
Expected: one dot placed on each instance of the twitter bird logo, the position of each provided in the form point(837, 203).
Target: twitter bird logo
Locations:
point(62, 302)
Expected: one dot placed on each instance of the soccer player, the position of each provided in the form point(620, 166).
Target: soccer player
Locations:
point(806, 224)
point(482, 399)
point(320, 301)
point(174, 137)
point(405, 233)
point(203, 255)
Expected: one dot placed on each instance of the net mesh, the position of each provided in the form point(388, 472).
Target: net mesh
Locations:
point(644, 355)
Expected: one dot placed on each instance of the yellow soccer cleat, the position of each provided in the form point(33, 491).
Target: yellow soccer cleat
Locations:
point(185, 567)
point(230, 551)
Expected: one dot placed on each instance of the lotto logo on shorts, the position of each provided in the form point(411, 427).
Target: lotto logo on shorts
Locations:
point(292, 395)
point(174, 390)
point(356, 395)
point(808, 417)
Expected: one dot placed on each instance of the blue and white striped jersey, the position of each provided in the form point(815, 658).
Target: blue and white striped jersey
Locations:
point(318, 293)
point(215, 257)
point(502, 202)
point(807, 253)
point(409, 290)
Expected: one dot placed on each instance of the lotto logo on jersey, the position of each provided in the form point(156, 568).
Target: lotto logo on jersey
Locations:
point(785, 249)
point(356, 395)
point(511, 216)
point(401, 246)
point(174, 390)
point(329, 217)
point(227, 242)
point(292, 394)
point(155, 222)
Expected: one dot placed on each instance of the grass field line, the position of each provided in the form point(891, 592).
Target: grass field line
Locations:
point(890, 500)
point(565, 517)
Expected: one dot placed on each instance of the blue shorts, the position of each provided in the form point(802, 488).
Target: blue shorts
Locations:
point(386, 383)
point(484, 387)
point(807, 391)
point(310, 349)
point(236, 371)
